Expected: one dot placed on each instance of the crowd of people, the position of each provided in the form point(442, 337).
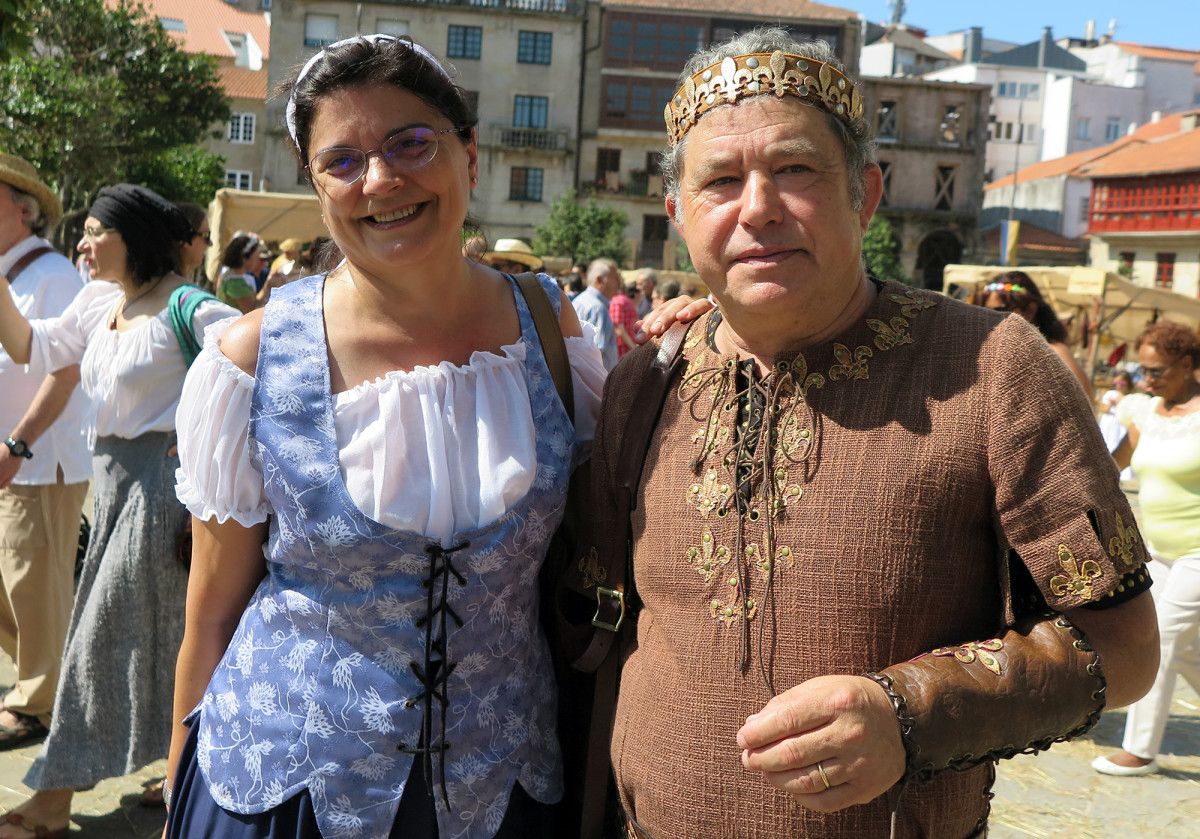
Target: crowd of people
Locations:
point(314, 581)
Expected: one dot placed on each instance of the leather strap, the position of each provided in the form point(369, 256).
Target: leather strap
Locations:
point(27, 260)
point(635, 443)
point(545, 323)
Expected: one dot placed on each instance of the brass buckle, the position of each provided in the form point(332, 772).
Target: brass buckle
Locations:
point(613, 594)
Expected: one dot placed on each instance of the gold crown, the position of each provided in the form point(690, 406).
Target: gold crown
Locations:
point(756, 74)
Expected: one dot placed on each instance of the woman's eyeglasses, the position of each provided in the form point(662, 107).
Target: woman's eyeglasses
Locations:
point(205, 235)
point(94, 232)
point(1156, 373)
point(406, 151)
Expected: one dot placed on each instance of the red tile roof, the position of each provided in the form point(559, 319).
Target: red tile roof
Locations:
point(1076, 164)
point(243, 83)
point(1164, 53)
point(1034, 238)
point(1180, 153)
point(206, 20)
point(778, 9)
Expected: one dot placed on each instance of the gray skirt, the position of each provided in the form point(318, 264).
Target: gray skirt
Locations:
point(112, 712)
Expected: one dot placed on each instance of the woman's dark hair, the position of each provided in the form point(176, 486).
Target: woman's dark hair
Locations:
point(668, 290)
point(195, 215)
point(151, 227)
point(363, 62)
point(238, 250)
point(1017, 290)
point(1173, 340)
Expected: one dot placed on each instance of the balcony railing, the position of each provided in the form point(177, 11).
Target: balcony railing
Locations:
point(537, 139)
point(570, 7)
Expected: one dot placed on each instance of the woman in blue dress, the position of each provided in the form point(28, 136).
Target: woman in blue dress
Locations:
point(375, 463)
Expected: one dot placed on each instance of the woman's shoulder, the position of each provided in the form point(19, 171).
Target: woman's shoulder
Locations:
point(239, 342)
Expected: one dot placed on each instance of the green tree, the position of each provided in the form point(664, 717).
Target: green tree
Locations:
point(104, 95)
point(14, 27)
point(582, 232)
point(881, 251)
point(184, 173)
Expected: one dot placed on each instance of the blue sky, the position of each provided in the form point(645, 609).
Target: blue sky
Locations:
point(1166, 23)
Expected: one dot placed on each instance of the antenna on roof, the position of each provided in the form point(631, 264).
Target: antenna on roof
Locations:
point(1112, 27)
point(898, 8)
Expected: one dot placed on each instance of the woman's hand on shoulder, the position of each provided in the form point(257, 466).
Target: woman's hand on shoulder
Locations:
point(240, 341)
point(683, 309)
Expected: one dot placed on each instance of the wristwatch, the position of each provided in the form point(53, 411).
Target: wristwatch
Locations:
point(18, 448)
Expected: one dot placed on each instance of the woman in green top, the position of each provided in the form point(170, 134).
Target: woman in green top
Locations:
point(1164, 447)
point(240, 265)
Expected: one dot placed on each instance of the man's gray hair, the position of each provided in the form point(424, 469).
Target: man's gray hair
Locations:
point(598, 267)
point(857, 142)
point(36, 218)
point(648, 274)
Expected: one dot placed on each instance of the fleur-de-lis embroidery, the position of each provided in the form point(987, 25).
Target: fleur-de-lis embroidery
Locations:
point(1078, 579)
point(728, 612)
point(794, 438)
point(709, 558)
point(710, 493)
point(911, 304)
point(849, 366)
point(802, 379)
point(591, 569)
point(890, 334)
point(967, 653)
point(1124, 543)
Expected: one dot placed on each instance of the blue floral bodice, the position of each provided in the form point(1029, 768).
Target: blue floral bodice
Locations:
point(367, 648)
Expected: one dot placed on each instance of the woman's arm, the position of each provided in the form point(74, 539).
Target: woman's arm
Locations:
point(16, 335)
point(1124, 453)
point(227, 566)
point(47, 406)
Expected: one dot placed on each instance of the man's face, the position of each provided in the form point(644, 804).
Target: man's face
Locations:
point(764, 207)
point(14, 223)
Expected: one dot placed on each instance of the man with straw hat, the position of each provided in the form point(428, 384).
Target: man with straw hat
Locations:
point(878, 542)
point(513, 257)
point(44, 464)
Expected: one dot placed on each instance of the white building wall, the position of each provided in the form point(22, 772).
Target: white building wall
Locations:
point(877, 59)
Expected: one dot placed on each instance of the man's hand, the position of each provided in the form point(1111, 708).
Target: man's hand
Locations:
point(845, 722)
point(682, 308)
point(10, 464)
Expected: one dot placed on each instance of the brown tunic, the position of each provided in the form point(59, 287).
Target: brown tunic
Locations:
point(906, 456)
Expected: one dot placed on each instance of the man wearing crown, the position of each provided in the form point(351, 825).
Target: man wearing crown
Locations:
point(878, 543)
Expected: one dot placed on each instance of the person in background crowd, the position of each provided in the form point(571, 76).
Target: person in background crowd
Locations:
point(839, 471)
point(289, 255)
point(512, 256)
point(1163, 446)
point(1110, 425)
point(576, 281)
point(1015, 291)
point(112, 710)
point(193, 252)
point(40, 497)
point(623, 313)
point(475, 247)
point(663, 292)
point(237, 283)
point(591, 305)
point(647, 281)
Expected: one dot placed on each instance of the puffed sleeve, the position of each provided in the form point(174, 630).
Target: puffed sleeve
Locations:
point(59, 342)
point(215, 477)
point(1057, 493)
point(587, 379)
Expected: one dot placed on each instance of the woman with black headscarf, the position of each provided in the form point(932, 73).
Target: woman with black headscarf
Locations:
point(112, 712)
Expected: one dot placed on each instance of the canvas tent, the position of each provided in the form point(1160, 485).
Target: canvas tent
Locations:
point(1125, 309)
point(274, 216)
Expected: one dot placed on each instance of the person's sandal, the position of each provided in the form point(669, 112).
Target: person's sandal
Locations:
point(40, 831)
point(27, 730)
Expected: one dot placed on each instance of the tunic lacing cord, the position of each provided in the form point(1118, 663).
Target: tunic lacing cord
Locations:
point(434, 672)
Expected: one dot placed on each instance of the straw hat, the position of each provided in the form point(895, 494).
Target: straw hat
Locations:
point(514, 250)
point(16, 171)
point(291, 245)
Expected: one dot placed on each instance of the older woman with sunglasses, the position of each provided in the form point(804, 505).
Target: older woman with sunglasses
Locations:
point(111, 712)
point(1163, 446)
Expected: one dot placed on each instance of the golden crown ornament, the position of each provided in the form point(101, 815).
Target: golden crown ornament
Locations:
point(757, 74)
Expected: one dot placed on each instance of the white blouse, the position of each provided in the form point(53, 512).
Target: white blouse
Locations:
point(133, 378)
point(435, 450)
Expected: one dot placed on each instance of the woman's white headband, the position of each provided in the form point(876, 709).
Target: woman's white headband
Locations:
point(290, 111)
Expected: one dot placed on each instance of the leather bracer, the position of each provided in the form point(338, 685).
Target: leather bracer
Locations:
point(1039, 683)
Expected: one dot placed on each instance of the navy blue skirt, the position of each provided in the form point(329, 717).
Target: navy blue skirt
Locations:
point(194, 814)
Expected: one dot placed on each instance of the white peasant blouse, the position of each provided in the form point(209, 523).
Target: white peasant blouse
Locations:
point(133, 378)
point(435, 450)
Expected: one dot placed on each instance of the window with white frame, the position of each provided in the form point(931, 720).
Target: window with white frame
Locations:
point(1083, 129)
point(534, 47)
point(241, 128)
point(385, 26)
point(239, 178)
point(173, 24)
point(320, 30)
point(1112, 129)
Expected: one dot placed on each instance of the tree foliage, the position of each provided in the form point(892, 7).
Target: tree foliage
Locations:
point(104, 95)
point(881, 251)
point(582, 232)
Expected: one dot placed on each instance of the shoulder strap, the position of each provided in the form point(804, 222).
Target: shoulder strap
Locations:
point(181, 308)
point(554, 347)
point(27, 260)
point(614, 600)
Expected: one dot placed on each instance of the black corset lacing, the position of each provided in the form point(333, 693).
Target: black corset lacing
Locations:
point(434, 671)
